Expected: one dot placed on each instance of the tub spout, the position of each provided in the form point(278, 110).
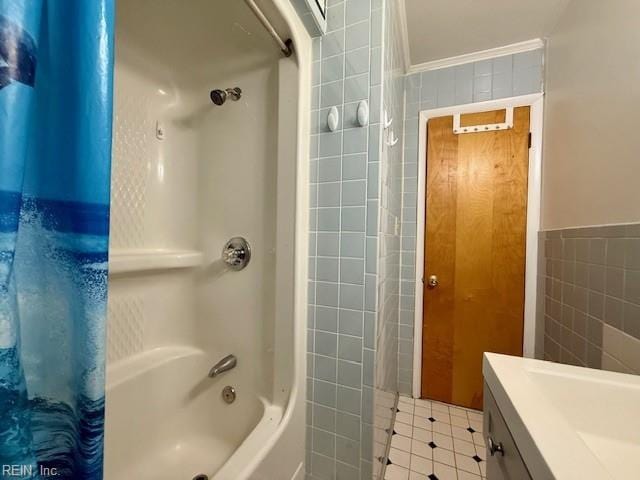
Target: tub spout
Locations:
point(227, 363)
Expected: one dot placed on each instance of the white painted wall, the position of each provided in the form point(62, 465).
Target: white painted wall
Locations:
point(441, 29)
point(591, 170)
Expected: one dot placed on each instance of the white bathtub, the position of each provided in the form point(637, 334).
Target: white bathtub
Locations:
point(186, 177)
point(177, 425)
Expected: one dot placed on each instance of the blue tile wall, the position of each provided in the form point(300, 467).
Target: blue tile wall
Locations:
point(363, 225)
point(343, 244)
point(303, 9)
point(385, 355)
point(491, 79)
point(589, 297)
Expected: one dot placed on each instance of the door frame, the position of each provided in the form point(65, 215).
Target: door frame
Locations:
point(536, 102)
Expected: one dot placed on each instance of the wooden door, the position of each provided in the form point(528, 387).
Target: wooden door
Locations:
point(475, 235)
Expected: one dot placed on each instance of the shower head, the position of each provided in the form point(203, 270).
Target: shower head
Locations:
point(220, 96)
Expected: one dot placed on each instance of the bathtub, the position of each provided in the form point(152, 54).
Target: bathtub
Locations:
point(177, 425)
point(184, 181)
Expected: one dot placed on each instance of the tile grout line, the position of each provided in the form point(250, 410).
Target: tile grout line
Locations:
point(385, 458)
point(448, 470)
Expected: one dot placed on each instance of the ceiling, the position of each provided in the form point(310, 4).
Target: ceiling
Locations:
point(447, 28)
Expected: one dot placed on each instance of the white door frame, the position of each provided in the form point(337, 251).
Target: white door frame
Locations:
point(533, 217)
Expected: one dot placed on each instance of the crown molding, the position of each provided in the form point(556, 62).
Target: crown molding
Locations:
point(519, 47)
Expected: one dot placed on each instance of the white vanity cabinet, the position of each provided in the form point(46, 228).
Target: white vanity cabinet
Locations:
point(547, 421)
point(503, 458)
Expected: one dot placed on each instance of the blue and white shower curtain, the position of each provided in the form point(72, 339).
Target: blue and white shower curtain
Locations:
point(56, 67)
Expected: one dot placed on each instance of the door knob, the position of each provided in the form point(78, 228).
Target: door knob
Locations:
point(433, 281)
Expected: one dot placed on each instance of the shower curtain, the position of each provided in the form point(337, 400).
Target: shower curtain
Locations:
point(56, 66)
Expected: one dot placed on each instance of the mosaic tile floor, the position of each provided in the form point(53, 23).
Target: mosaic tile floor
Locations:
point(436, 441)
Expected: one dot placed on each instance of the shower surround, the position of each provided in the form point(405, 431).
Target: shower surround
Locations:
point(197, 163)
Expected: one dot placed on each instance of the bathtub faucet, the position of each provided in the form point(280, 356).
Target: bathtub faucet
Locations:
point(227, 363)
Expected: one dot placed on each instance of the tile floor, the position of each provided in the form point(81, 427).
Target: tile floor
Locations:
point(436, 441)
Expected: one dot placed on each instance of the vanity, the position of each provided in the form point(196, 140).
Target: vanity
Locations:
point(545, 421)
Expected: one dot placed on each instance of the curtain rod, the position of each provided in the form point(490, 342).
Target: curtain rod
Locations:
point(285, 46)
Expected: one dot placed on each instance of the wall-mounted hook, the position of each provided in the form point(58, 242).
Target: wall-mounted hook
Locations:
point(363, 113)
point(392, 139)
point(333, 118)
point(387, 121)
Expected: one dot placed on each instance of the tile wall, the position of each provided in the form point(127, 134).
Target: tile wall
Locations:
point(390, 214)
point(362, 226)
point(343, 268)
point(590, 291)
point(303, 9)
point(491, 79)
point(390, 205)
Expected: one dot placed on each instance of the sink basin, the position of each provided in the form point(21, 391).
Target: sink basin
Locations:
point(569, 422)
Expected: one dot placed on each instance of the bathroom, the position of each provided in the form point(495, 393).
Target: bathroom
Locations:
point(230, 233)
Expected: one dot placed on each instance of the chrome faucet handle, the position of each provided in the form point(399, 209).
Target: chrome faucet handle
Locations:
point(236, 253)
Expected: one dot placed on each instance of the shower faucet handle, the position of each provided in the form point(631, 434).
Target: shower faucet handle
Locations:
point(236, 253)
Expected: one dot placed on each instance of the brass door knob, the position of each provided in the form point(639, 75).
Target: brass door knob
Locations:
point(433, 281)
